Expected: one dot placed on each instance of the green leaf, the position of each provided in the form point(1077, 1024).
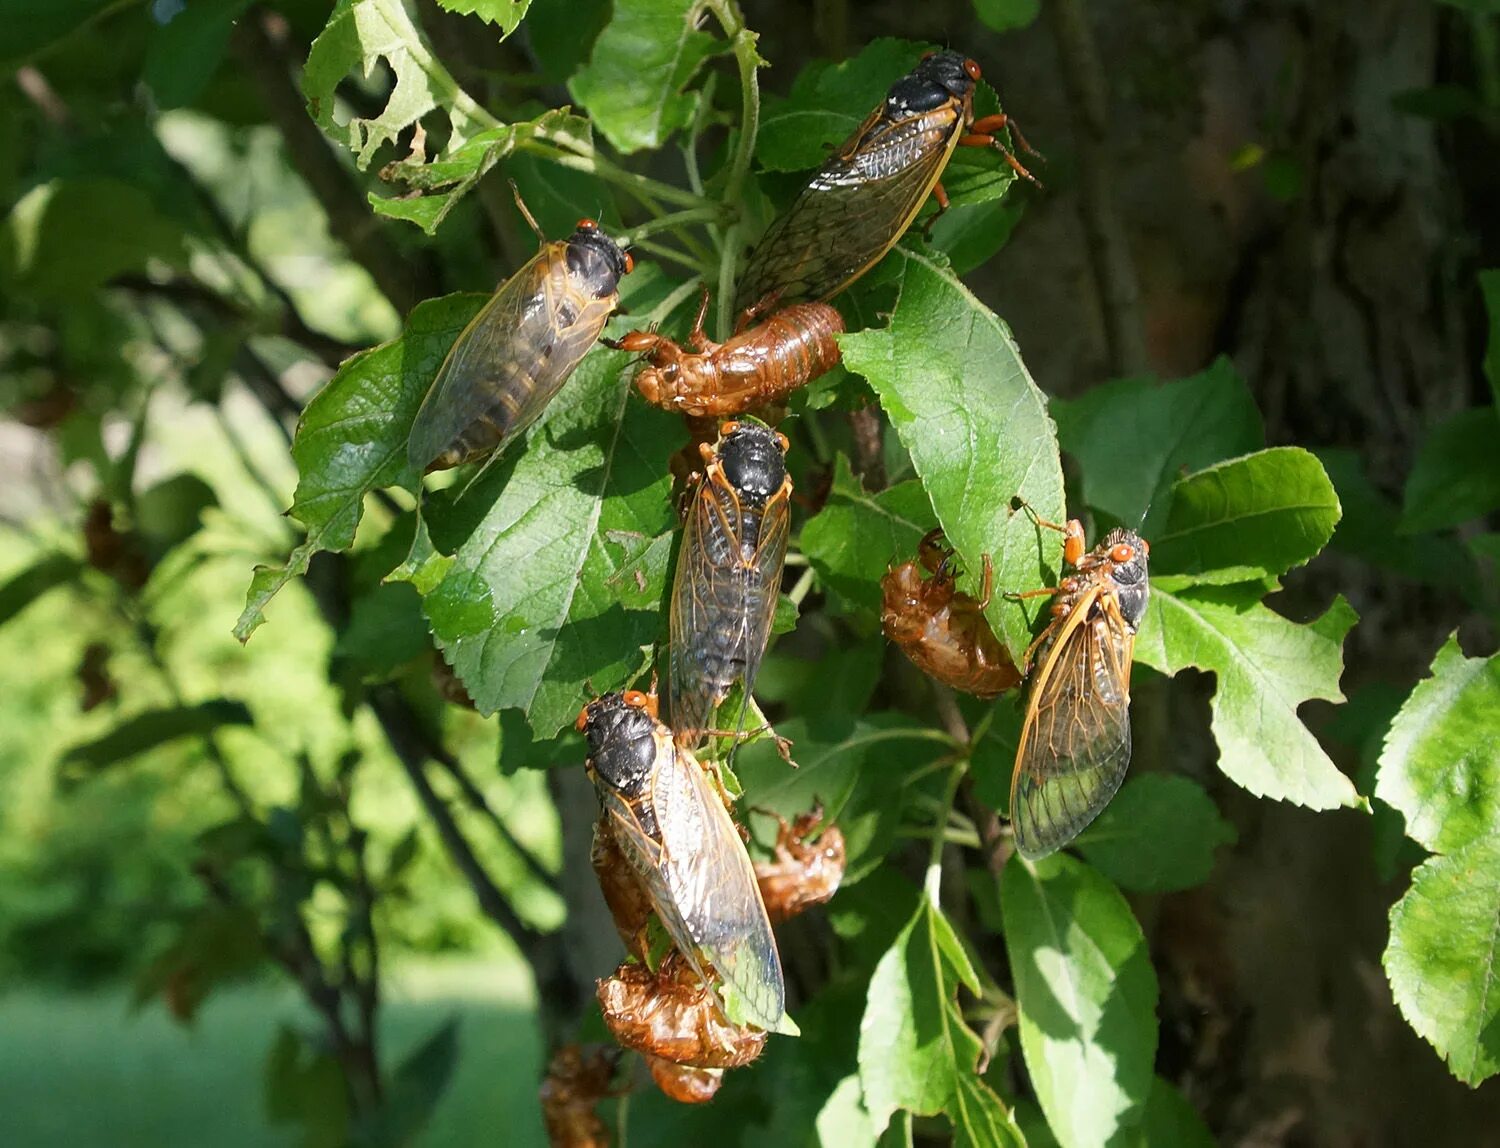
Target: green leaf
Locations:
point(36, 24)
point(462, 168)
point(1003, 15)
point(856, 767)
point(530, 614)
point(645, 57)
point(856, 535)
point(843, 1120)
point(915, 1051)
point(153, 728)
point(416, 1086)
point(351, 439)
point(1171, 1121)
point(1457, 473)
point(1441, 762)
point(1267, 666)
point(1444, 957)
point(563, 34)
point(1368, 530)
point(976, 426)
point(1134, 438)
point(186, 50)
point(304, 1085)
point(28, 585)
point(828, 101)
point(1247, 519)
point(505, 14)
point(1086, 993)
point(1489, 286)
point(385, 630)
point(67, 238)
point(1159, 834)
point(360, 33)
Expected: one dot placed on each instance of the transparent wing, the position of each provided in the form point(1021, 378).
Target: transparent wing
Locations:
point(853, 211)
point(713, 888)
point(510, 360)
point(701, 583)
point(1075, 742)
point(765, 589)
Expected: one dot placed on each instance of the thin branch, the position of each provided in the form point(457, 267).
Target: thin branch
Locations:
point(1109, 249)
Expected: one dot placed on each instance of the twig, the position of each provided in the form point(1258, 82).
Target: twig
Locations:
point(1109, 250)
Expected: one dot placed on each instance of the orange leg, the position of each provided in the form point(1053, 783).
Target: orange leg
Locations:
point(987, 587)
point(940, 194)
point(981, 134)
point(698, 338)
point(762, 306)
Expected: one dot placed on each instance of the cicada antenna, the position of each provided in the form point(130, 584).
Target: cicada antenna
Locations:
point(525, 212)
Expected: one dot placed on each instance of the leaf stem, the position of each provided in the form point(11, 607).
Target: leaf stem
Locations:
point(802, 586)
point(592, 163)
point(743, 42)
point(933, 879)
point(661, 251)
point(670, 222)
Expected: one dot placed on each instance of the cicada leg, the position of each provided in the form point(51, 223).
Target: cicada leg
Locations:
point(981, 133)
point(698, 338)
point(762, 306)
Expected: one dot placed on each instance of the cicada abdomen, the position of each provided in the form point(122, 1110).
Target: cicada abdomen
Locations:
point(757, 367)
point(728, 573)
point(515, 355)
point(1075, 737)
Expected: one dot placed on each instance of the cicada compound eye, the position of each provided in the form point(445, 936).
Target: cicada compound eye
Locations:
point(587, 225)
point(1121, 554)
point(629, 263)
point(635, 698)
point(972, 68)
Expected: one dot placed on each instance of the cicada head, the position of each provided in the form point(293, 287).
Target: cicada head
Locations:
point(1126, 552)
point(596, 259)
point(622, 744)
point(754, 460)
point(940, 77)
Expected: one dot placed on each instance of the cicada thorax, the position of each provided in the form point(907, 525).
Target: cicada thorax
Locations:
point(514, 356)
point(729, 573)
point(577, 1080)
point(756, 368)
point(1075, 737)
point(867, 193)
point(942, 629)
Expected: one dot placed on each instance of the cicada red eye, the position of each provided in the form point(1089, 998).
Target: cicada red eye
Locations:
point(972, 68)
point(587, 225)
point(1121, 554)
point(629, 263)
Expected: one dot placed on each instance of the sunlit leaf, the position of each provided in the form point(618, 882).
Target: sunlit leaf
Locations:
point(26, 586)
point(352, 439)
point(1266, 667)
point(530, 613)
point(1134, 438)
point(1443, 958)
point(505, 14)
point(1248, 518)
point(1441, 762)
point(953, 384)
point(915, 1050)
point(1159, 833)
point(633, 83)
point(360, 34)
point(1087, 997)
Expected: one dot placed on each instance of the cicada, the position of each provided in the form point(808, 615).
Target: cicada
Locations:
point(757, 366)
point(942, 629)
point(577, 1079)
point(515, 355)
point(728, 572)
point(1075, 738)
point(672, 1014)
point(867, 193)
point(802, 872)
point(672, 827)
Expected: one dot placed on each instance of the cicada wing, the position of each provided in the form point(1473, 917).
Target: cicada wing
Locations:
point(705, 615)
point(714, 890)
point(508, 363)
point(1075, 740)
point(764, 574)
point(855, 209)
